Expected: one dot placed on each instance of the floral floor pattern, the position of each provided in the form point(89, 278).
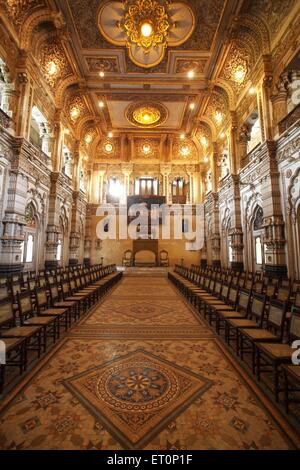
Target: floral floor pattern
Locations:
point(126, 379)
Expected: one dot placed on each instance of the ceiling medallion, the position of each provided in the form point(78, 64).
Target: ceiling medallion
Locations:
point(146, 115)
point(147, 23)
point(146, 27)
point(108, 147)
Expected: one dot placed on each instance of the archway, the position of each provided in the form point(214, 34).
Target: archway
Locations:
point(30, 248)
point(226, 250)
point(257, 245)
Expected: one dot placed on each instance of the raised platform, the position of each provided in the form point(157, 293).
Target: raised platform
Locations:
point(144, 271)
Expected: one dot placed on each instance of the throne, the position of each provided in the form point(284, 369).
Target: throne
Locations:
point(163, 258)
point(127, 258)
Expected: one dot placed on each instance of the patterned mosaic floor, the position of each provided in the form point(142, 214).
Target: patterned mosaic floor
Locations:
point(141, 372)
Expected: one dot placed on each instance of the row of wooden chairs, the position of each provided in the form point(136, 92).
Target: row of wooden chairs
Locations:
point(36, 312)
point(260, 325)
point(282, 289)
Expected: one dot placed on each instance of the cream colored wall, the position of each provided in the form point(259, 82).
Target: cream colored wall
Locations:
point(112, 251)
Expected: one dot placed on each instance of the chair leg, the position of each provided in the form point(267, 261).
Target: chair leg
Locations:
point(276, 382)
point(2, 377)
point(257, 355)
point(286, 393)
point(241, 345)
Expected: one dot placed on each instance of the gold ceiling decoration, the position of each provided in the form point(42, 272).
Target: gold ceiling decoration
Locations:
point(146, 27)
point(147, 23)
point(146, 115)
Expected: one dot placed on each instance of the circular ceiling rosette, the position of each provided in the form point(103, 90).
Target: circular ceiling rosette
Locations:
point(171, 24)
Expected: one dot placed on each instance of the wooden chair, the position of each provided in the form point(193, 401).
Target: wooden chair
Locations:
point(30, 334)
point(271, 356)
point(127, 258)
point(13, 348)
point(272, 333)
point(240, 312)
point(291, 375)
point(44, 309)
point(57, 303)
point(164, 258)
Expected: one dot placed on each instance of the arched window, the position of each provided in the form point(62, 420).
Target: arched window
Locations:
point(258, 250)
point(68, 163)
point(230, 252)
point(58, 251)
point(258, 219)
point(29, 249)
point(255, 133)
point(22, 248)
point(258, 257)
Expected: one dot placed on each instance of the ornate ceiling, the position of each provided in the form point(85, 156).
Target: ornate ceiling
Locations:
point(183, 77)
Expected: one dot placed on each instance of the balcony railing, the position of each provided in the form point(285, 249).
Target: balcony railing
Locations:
point(289, 120)
point(179, 199)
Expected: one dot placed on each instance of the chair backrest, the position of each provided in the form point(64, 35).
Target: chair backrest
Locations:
point(128, 255)
point(7, 316)
point(73, 285)
point(15, 288)
point(297, 299)
point(31, 284)
point(65, 288)
point(54, 293)
point(217, 288)
point(283, 294)
point(294, 332)
point(276, 317)
point(285, 283)
point(244, 301)
point(41, 298)
point(25, 306)
point(249, 284)
point(233, 295)
point(258, 306)
point(258, 287)
point(224, 291)
point(42, 281)
point(206, 283)
point(295, 286)
point(164, 256)
point(271, 290)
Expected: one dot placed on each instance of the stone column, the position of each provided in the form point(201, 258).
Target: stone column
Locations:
point(233, 144)
point(74, 235)
point(9, 102)
point(88, 236)
point(215, 238)
point(244, 138)
point(57, 156)
point(165, 170)
point(236, 232)
point(273, 222)
point(13, 224)
point(279, 102)
point(266, 98)
point(127, 169)
point(53, 230)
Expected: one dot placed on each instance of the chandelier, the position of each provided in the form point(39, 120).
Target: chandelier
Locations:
point(147, 23)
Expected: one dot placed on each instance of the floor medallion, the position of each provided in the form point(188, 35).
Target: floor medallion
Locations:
point(135, 396)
